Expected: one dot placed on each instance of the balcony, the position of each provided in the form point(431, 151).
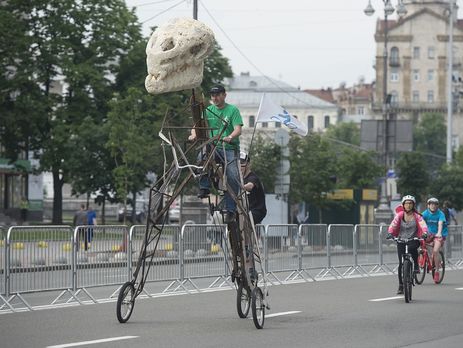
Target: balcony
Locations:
point(394, 62)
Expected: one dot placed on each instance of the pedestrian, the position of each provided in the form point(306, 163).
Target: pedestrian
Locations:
point(91, 221)
point(80, 219)
point(407, 224)
point(449, 213)
point(254, 186)
point(225, 122)
point(24, 206)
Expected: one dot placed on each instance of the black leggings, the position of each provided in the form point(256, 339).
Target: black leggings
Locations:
point(413, 250)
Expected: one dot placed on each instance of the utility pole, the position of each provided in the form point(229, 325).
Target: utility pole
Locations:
point(195, 9)
point(449, 85)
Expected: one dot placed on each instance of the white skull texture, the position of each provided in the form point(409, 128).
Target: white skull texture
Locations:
point(175, 55)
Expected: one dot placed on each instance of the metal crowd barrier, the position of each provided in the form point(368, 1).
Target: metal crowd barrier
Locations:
point(75, 261)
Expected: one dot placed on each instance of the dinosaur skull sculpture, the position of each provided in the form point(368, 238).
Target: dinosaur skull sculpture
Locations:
point(175, 55)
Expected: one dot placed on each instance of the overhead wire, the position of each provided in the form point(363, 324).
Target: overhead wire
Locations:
point(289, 93)
point(164, 11)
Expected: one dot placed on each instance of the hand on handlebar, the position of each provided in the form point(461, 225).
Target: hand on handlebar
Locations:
point(389, 236)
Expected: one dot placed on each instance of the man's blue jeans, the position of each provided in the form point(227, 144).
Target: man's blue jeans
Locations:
point(230, 157)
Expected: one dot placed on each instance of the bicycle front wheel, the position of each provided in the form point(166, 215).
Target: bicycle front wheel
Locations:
point(258, 307)
point(243, 301)
point(125, 302)
point(422, 262)
point(441, 268)
point(407, 280)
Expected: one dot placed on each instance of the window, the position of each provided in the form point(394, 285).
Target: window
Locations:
point(431, 52)
point(416, 53)
point(277, 124)
point(430, 74)
point(416, 96)
point(360, 110)
point(264, 124)
point(394, 98)
point(394, 75)
point(252, 121)
point(310, 122)
point(327, 121)
point(394, 59)
point(430, 96)
point(416, 75)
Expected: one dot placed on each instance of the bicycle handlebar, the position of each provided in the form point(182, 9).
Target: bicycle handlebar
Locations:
point(406, 240)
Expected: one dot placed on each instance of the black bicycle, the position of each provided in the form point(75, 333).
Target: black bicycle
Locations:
point(408, 267)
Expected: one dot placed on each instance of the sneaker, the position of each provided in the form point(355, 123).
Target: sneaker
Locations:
point(436, 277)
point(400, 290)
point(203, 193)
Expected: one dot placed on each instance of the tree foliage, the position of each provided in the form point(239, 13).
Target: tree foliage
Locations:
point(429, 136)
point(265, 157)
point(313, 164)
point(448, 186)
point(413, 175)
point(357, 169)
point(61, 62)
point(347, 132)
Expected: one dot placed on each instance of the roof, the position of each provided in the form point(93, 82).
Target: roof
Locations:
point(289, 100)
point(324, 94)
point(247, 91)
point(257, 83)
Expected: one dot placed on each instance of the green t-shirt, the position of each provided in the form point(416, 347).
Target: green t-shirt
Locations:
point(229, 113)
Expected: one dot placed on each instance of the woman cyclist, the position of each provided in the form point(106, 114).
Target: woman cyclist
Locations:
point(407, 224)
point(437, 225)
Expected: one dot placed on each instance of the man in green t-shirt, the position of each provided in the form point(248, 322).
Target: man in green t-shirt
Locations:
point(225, 117)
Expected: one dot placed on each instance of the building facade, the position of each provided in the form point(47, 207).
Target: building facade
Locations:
point(246, 91)
point(417, 67)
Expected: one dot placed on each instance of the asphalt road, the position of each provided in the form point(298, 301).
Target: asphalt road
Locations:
point(332, 313)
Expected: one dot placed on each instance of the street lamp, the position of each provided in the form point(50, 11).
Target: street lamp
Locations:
point(383, 208)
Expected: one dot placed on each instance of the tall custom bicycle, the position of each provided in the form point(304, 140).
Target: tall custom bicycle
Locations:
point(408, 268)
point(426, 263)
point(244, 251)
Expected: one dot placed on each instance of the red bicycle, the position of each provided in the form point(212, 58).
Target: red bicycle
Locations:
point(426, 263)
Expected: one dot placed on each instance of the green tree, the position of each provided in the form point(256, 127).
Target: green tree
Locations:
point(357, 169)
point(66, 53)
point(265, 156)
point(448, 185)
point(429, 136)
point(313, 164)
point(413, 175)
point(216, 68)
point(347, 132)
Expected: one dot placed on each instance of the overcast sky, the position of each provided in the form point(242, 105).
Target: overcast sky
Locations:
point(306, 43)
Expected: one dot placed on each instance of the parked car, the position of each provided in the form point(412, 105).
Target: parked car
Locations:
point(140, 214)
point(174, 214)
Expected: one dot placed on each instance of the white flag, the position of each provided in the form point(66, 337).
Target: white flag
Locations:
point(271, 112)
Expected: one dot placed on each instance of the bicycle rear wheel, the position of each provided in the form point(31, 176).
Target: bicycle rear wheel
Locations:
point(422, 262)
point(243, 301)
point(407, 280)
point(441, 268)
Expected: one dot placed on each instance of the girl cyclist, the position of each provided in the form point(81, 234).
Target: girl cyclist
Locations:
point(407, 224)
point(437, 225)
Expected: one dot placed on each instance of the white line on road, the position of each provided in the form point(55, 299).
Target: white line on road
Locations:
point(83, 343)
point(458, 288)
point(385, 299)
point(280, 314)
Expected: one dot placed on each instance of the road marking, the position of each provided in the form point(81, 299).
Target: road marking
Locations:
point(385, 299)
point(280, 314)
point(83, 343)
point(458, 288)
